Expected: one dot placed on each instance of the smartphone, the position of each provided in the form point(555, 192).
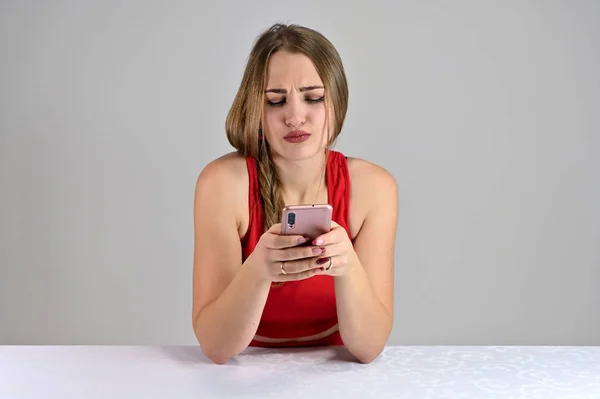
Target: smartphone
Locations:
point(306, 220)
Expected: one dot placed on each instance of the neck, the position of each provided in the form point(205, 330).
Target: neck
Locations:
point(303, 182)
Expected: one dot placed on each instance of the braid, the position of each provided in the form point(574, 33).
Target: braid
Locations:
point(270, 187)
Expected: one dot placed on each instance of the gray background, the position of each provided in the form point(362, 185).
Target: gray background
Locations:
point(485, 112)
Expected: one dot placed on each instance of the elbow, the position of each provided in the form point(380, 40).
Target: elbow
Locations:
point(209, 350)
point(367, 355)
point(219, 353)
point(216, 358)
point(364, 352)
point(212, 352)
point(367, 358)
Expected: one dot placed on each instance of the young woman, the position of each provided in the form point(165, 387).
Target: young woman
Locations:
point(253, 286)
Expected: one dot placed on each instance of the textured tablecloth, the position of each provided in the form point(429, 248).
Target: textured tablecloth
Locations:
point(418, 372)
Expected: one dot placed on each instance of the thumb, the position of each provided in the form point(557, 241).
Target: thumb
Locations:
point(275, 229)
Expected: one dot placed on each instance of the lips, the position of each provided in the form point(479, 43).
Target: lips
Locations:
point(295, 134)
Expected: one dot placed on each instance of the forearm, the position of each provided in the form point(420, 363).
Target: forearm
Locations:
point(225, 327)
point(364, 322)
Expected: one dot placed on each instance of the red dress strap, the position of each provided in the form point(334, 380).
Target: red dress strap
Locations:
point(338, 188)
point(255, 221)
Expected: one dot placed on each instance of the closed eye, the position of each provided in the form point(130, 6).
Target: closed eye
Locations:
point(275, 104)
point(308, 100)
point(315, 100)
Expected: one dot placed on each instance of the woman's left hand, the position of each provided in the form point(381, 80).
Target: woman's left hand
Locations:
point(339, 250)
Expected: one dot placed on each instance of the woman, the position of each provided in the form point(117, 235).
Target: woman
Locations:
point(253, 286)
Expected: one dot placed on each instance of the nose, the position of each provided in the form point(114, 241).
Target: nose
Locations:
point(295, 115)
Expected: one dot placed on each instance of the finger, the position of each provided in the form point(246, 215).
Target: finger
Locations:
point(276, 240)
point(333, 249)
point(288, 254)
point(304, 265)
point(331, 237)
point(298, 276)
point(333, 265)
point(282, 241)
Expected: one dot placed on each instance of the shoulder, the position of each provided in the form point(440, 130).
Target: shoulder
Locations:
point(222, 185)
point(367, 178)
point(373, 194)
point(223, 173)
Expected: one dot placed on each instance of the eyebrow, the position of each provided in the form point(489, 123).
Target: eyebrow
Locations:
point(284, 91)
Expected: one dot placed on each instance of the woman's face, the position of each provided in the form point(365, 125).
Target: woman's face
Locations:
point(294, 110)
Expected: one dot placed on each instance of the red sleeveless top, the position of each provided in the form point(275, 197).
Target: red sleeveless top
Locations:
point(300, 308)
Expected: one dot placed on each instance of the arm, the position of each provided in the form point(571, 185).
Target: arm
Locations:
point(365, 292)
point(228, 297)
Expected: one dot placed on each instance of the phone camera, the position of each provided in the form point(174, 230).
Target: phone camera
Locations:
point(291, 220)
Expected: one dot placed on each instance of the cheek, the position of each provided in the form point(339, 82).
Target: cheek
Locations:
point(272, 122)
point(272, 115)
point(268, 119)
point(317, 113)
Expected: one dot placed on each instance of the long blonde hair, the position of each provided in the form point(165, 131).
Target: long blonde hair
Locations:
point(244, 118)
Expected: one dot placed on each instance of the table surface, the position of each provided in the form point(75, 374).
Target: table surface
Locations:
point(181, 372)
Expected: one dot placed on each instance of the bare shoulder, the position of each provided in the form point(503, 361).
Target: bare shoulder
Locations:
point(222, 185)
point(367, 178)
point(227, 169)
point(372, 189)
point(369, 174)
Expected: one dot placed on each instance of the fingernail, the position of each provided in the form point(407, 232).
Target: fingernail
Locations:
point(318, 251)
point(320, 261)
point(318, 242)
point(301, 240)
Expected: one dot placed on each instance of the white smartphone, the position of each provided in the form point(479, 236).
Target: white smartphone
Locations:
point(306, 220)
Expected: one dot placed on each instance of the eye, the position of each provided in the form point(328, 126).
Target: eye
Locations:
point(282, 101)
point(315, 100)
point(275, 103)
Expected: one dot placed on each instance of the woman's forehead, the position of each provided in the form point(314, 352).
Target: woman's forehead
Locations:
point(286, 69)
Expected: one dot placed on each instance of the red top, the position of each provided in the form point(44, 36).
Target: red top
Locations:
point(300, 308)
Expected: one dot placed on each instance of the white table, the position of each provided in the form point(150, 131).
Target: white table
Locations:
point(419, 372)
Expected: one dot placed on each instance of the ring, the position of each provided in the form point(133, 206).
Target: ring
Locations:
point(282, 269)
point(330, 264)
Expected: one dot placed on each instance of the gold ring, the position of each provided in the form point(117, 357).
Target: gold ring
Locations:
point(330, 264)
point(282, 269)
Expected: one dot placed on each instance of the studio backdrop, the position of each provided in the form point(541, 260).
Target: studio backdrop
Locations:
point(486, 113)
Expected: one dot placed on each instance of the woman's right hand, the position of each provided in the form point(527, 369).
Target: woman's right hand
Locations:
point(281, 257)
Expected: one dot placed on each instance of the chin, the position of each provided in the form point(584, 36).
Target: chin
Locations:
point(296, 152)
